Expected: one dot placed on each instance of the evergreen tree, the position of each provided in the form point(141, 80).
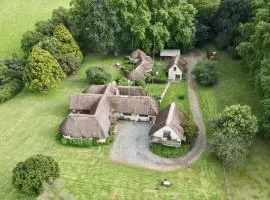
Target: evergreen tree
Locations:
point(42, 71)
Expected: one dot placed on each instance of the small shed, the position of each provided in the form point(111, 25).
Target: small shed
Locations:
point(176, 68)
point(169, 53)
point(167, 128)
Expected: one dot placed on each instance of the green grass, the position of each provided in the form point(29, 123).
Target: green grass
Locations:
point(29, 124)
point(236, 87)
point(169, 152)
point(173, 93)
point(155, 89)
point(17, 17)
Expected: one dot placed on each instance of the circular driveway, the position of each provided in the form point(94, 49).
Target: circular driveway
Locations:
point(131, 145)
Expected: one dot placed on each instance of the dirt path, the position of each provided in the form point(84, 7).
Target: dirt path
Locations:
point(132, 142)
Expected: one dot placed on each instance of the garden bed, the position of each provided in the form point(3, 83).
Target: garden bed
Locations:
point(169, 152)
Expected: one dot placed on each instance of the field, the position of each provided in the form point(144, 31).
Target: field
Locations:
point(236, 87)
point(28, 126)
point(18, 16)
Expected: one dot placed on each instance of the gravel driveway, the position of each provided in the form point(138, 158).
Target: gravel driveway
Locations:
point(131, 145)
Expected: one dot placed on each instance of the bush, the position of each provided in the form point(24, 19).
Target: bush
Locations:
point(206, 73)
point(30, 39)
point(140, 83)
point(181, 97)
point(127, 68)
point(97, 75)
point(9, 90)
point(83, 142)
point(28, 176)
point(148, 77)
point(160, 80)
point(123, 81)
point(191, 131)
point(169, 152)
point(42, 71)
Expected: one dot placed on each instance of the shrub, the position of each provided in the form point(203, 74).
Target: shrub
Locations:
point(10, 89)
point(123, 81)
point(42, 71)
point(15, 66)
point(140, 83)
point(160, 80)
point(83, 142)
point(28, 176)
point(206, 73)
point(168, 152)
point(234, 134)
point(148, 77)
point(181, 97)
point(97, 75)
point(127, 68)
point(30, 39)
point(191, 131)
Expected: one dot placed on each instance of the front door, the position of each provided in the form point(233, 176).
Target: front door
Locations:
point(177, 77)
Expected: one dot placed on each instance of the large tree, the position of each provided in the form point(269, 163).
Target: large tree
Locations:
point(234, 134)
point(64, 48)
point(255, 51)
point(227, 21)
point(96, 23)
point(163, 23)
point(42, 71)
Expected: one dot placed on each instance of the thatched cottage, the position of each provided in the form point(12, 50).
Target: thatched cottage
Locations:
point(167, 128)
point(169, 53)
point(143, 64)
point(99, 106)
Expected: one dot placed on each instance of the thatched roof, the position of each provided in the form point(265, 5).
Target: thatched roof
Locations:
point(144, 65)
point(131, 91)
point(172, 117)
point(170, 52)
point(81, 101)
point(142, 105)
point(137, 53)
point(82, 126)
point(95, 89)
point(179, 62)
point(92, 111)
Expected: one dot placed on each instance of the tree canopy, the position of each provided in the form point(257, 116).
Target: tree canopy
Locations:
point(42, 71)
point(29, 176)
point(234, 134)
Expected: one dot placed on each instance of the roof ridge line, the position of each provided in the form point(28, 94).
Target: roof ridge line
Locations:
point(170, 114)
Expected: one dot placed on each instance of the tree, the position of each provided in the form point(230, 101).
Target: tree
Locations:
point(170, 22)
point(234, 134)
point(42, 71)
point(190, 131)
point(15, 66)
point(28, 176)
point(30, 39)
point(227, 20)
point(254, 49)
point(206, 72)
point(97, 75)
point(96, 23)
point(64, 48)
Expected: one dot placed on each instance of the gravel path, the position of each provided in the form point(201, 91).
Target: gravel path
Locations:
point(132, 142)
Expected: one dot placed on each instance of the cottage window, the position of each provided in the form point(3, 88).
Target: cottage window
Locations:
point(167, 134)
point(174, 68)
point(127, 114)
point(143, 115)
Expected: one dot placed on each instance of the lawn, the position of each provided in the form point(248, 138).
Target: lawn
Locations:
point(28, 126)
point(17, 17)
point(236, 87)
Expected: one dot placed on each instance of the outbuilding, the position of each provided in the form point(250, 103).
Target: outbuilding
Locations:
point(169, 53)
point(177, 67)
point(167, 128)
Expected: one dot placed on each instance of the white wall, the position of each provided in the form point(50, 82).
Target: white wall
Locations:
point(160, 133)
point(172, 73)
